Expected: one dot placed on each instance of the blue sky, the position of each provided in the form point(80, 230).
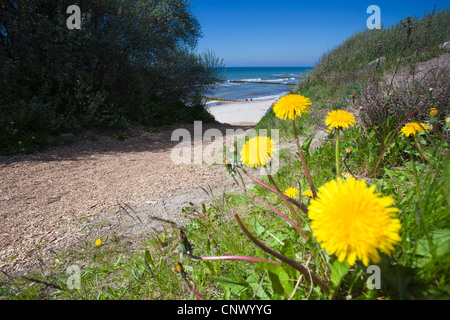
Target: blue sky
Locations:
point(289, 32)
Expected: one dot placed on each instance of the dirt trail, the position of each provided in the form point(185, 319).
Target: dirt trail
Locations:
point(70, 194)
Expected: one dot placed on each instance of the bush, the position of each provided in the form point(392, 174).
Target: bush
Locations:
point(127, 60)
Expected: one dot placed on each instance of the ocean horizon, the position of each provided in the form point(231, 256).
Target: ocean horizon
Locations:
point(257, 83)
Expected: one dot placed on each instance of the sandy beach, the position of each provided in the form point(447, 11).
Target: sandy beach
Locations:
point(245, 112)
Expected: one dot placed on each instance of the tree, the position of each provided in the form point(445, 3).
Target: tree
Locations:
point(128, 56)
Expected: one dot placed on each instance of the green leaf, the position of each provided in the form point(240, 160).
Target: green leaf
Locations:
point(440, 241)
point(259, 228)
point(149, 259)
point(306, 145)
point(282, 278)
point(288, 250)
point(277, 286)
point(231, 286)
point(203, 209)
point(447, 176)
point(258, 286)
point(397, 280)
point(182, 247)
point(338, 272)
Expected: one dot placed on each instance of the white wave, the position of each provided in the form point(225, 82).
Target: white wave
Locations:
point(267, 80)
point(270, 97)
point(229, 84)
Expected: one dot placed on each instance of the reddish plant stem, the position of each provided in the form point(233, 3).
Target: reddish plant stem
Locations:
point(193, 290)
point(345, 163)
point(292, 223)
point(303, 161)
point(287, 203)
point(302, 207)
point(294, 264)
point(196, 214)
point(240, 258)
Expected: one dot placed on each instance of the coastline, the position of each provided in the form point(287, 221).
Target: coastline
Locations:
point(239, 113)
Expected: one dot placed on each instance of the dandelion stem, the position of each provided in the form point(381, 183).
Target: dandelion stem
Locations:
point(262, 184)
point(422, 151)
point(286, 202)
point(294, 264)
point(193, 289)
point(302, 159)
point(292, 223)
point(337, 152)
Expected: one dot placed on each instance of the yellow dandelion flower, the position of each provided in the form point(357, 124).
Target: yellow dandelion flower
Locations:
point(413, 127)
point(292, 192)
point(19, 142)
point(12, 122)
point(352, 221)
point(98, 242)
point(308, 193)
point(433, 112)
point(339, 119)
point(291, 106)
point(257, 151)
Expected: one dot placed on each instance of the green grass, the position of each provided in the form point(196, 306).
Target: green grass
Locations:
point(114, 271)
point(344, 62)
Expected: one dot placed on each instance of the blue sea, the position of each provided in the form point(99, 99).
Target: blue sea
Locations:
point(257, 83)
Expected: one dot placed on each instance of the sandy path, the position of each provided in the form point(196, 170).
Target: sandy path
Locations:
point(69, 194)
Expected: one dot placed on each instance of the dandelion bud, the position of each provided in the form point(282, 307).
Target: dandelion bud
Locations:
point(184, 246)
point(180, 270)
point(433, 112)
point(348, 150)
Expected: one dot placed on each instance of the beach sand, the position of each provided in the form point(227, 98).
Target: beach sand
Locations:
point(245, 112)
